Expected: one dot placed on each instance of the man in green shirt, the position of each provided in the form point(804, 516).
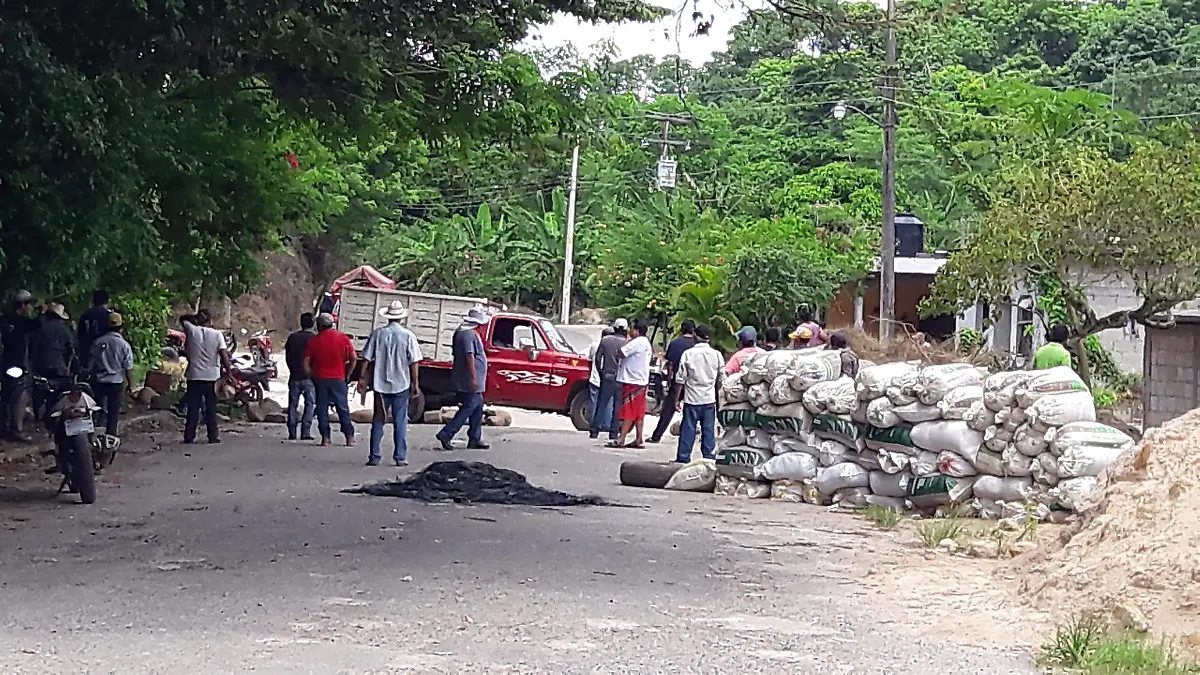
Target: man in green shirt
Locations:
point(1053, 353)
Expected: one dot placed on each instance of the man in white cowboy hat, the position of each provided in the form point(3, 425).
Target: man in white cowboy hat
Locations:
point(469, 380)
point(392, 354)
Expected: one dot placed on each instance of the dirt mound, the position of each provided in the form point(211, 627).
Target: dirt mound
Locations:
point(1139, 551)
point(286, 292)
point(473, 482)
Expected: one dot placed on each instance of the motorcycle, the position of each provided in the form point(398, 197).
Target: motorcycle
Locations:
point(260, 354)
point(66, 407)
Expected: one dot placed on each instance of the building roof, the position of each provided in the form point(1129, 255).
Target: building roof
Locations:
point(927, 265)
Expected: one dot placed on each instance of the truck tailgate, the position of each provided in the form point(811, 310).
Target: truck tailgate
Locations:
point(432, 318)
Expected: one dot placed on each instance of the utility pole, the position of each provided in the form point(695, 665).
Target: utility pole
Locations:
point(569, 257)
point(666, 164)
point(887, 256)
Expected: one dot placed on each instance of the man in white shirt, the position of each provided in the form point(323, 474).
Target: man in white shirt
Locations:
point(207, 360)
point(696, 382)
point(633, 374)
point(392, 355)
point(605, 419)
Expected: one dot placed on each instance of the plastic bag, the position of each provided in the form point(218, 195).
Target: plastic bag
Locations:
point(817, 366)
point(795, 466)
point(781, 393)
point(935, 382)
point(890, 484)
point(872, 383)
point(997, 488)
point(725, 486)
point(1057, 380)
point(880, 413)
point(950, 435)
point(1056, 410)
point(840, 397)
point(952, 464)
point(754, 368)
point(751, 489)
point(833, 452)
point(917, 412)
point(1000, 389)
point(1086, 434)
point(840, 476)
point(781, 362)
point(956, 404)
point(697, 476)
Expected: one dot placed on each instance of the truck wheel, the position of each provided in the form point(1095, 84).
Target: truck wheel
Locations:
point(578, 411)
point(83, 476)
point(416, 408)
point(644, 474)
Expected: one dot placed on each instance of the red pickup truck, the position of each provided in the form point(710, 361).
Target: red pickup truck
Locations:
point(530, 365)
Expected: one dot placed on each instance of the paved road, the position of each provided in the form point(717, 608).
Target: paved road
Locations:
point(245, 557)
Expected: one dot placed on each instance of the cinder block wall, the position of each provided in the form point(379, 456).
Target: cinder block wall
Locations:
point(1109, 294)
point(1171, 372)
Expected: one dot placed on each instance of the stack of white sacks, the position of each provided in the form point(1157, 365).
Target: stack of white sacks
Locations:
point(908, 437)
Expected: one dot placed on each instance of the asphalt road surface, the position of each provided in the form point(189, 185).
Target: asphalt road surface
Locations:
point(246, 557)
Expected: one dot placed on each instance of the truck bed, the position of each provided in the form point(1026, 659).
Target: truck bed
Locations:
point(432, 318)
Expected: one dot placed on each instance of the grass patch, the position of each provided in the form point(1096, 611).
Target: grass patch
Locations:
point(882, 516)
point(1087, 645)
point(933, 532)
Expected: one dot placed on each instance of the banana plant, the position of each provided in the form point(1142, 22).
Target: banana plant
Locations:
point(703, 300)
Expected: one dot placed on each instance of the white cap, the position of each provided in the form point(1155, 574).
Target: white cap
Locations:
point(621, 324)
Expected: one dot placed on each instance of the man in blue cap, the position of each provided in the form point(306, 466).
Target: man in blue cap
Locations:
point(748, 338)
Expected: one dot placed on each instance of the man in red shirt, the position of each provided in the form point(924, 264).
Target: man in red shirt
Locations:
point(329, 359)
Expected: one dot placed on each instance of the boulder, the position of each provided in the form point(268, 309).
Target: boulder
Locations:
point(497, 418)
point(160, 402)
point(432, 417)
point(276, 418)
point(361, 416)
point(145, 395)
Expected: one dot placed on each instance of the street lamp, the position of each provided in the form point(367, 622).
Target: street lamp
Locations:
point(887, 244)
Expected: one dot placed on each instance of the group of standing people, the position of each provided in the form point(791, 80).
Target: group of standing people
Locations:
point(39, 340)
point(322, 364)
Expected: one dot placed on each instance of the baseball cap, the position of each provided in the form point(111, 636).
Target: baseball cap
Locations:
point(115, 320)
point(324, 321)
point(621, 324)
point(802, 333)
point(748, 333)
point(24, 296)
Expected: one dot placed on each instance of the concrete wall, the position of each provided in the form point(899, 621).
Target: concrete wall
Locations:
point(1172, 372)
point(1109, 294)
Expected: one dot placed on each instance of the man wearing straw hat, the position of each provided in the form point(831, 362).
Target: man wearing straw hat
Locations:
point(392, 355)
point(469, 380)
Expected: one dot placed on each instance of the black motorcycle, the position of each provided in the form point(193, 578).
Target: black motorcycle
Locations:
point(66, 406)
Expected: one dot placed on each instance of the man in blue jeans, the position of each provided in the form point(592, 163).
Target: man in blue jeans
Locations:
point(605, 419)
point(299, 384)
point(696, 383)
point(469, 380)
point(329, 359)
point(608, 392)
point(392, 354)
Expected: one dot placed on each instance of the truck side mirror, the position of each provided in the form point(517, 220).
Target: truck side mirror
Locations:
point(526, 345)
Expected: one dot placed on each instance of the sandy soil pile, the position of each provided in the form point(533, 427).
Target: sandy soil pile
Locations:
point(1140, 553)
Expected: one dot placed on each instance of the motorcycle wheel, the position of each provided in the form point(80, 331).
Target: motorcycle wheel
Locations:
point(255, 394)
point(83, 476)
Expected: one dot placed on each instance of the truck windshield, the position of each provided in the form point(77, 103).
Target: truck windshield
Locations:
point(557, 341)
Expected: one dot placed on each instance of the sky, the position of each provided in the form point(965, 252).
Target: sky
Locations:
point(667, 37)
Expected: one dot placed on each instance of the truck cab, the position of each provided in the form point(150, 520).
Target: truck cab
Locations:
point(530, 365)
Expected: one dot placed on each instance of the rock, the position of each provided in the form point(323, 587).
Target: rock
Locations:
point(269, 407)
point(145, 395)
point(161, 402)
point(497, 418)
point(1021, 548)
point(948, 544)
point(361, 416)
point(254, 413)
point(984, 548)
point(433, 417)
point(1130, 616)
point(1193, 640)
point(276, 418)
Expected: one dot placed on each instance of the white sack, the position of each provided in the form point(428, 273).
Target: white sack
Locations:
point(899, 396)
point(758, 395)
point(957, 404)
point(795, 411)
point(872, 383)
point(868, 459)
point(697, 476)
point(1057, 380)
point(750, 489)
point(754, 368)
point(795, 466)
point(989, 463)
point(1017, 464)
point(781, 362)
point(917, 412)
point(757, 438)
point(997, 489)
point(889, 484)
point(1088, 460)
point(1000, 389)
point(833, 452)
point(880, 413)
point(1055, 410)
point(840, 397)
point(1078, 494)
point(852, 498)
point(978, 417)
point(732, 389)
point(840, 476)
point(935, 382)
point(739, 462)
point(786, 444)
point(924, 463)
point(780, 391)
point(813, 400)
point(787, 491)
point(733, 436)
point(1028, 441)
point(890, 462)
point(817, 366)
point(725, 486)
point(949, 435)
point(1045, 469)
point(951, 464)
point(1086, 434)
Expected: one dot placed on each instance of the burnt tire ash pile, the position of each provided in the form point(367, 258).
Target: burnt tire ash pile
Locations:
point(474, 483)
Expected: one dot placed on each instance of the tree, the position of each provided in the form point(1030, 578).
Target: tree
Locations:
point(702, 299)
point(1083, 213)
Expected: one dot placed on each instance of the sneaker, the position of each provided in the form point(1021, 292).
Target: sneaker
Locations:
point(306, 437)
point(291, 437)
point(446, 445)
point(653, 440)
point(372, 462)
point(402, 462)
point(480, 445)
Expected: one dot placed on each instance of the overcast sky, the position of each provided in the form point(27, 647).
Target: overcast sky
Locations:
point(670, 36)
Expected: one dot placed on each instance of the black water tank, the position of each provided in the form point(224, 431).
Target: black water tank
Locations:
point(910, 235)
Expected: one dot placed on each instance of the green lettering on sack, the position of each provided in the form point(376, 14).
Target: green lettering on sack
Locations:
point(935, 484)
point(740, 457)
point(897, 435)
point(832, 424)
